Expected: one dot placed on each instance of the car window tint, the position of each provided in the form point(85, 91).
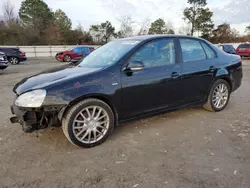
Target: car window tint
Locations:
point(157, 53)
point(192, 50)
point(244, 46)
point(210, 53)
point(77, 50)
point(85, 50)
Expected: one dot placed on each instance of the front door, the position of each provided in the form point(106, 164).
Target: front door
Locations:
point(199, 64)
point(156, 84)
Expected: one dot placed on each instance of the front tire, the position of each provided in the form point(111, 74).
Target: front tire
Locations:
point(218, 97)
point(88, 123)
point(67, 58)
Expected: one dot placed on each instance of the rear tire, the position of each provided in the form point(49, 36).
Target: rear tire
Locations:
point(67, 58)
point(14, 60)
point(218, 97)
point(88, 123)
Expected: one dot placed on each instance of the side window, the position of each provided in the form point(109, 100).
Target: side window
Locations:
point(192, 50)
point(77, 50)
point(156, 53)
point(210, 53)
point(85, 50)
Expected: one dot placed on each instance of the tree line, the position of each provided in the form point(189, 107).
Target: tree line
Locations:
point(37, 24)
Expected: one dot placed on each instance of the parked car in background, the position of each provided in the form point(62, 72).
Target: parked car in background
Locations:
point(3, 61)
point(228, 48)
point(14, 55)
point(123, 80)
point(74, 54)
point(243, 50)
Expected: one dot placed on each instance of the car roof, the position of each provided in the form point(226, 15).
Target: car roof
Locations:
point(149, 37)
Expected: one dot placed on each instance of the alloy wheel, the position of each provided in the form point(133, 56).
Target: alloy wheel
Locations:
point(220, 96)
point(14, 60)
point(91, 124)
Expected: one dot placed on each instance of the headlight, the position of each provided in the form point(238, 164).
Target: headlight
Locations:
point(33, 99)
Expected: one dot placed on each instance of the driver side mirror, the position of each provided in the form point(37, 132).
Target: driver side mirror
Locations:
point(135, 66)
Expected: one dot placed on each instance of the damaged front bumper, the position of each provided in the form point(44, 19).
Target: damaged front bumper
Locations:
point(33, 119)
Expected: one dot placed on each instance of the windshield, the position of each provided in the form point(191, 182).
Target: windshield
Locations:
point(108, 54)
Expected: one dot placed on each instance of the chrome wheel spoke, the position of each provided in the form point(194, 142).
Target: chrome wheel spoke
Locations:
point(89, 137)
point(99, 131)
point(101, 126)
point(83, 116)
point(102, 122)
point(101, 117)
point(80, 121)
point(79, 133)
point(93, 113)
point(84, 136)
point(94, 135)
point(89, 115)
point(99, 113)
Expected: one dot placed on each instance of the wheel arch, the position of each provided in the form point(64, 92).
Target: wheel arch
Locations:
point(224, 74)
point(101, 97)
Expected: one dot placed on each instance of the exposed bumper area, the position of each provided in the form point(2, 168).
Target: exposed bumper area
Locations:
point(4, 65)
point(34, 119)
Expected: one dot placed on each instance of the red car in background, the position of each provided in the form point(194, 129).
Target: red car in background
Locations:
point(243, 50)
point(74, 54)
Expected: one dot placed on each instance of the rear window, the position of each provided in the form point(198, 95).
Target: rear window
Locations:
point(244, 46)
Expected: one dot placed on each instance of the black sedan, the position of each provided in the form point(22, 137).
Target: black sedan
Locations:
point(14, 55)
point(123, 80)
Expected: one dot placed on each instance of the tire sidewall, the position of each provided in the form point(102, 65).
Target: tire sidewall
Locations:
point(77, 110)
point(212, 91)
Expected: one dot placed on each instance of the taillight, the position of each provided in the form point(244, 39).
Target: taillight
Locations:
point(22, 53)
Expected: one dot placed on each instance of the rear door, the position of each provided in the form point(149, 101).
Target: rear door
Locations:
point(199, 64)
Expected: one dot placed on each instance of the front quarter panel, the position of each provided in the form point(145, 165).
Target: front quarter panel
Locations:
point(104, 84)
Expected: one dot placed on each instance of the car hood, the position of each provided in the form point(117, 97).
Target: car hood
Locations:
point(51, 76)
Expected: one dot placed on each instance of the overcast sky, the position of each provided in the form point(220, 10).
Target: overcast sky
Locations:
point(88, 12)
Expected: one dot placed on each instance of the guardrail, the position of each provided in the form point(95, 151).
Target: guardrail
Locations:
point(45, 51)
point(51, 50)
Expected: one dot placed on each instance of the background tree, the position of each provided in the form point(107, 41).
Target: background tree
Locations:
point(103, 32)
point(204, 23)
point(248, 30)
point(126, 29)
point(158, 27)
point(64, 24)
point(193, 13)
point(37, 15)
point(224, 34)
point(144, 27)
point(9, 13)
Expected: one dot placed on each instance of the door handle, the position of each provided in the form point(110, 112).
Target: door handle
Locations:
point(175, 75)
point(212, 68)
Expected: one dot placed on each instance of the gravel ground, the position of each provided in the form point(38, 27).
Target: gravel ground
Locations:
point(190, 148)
